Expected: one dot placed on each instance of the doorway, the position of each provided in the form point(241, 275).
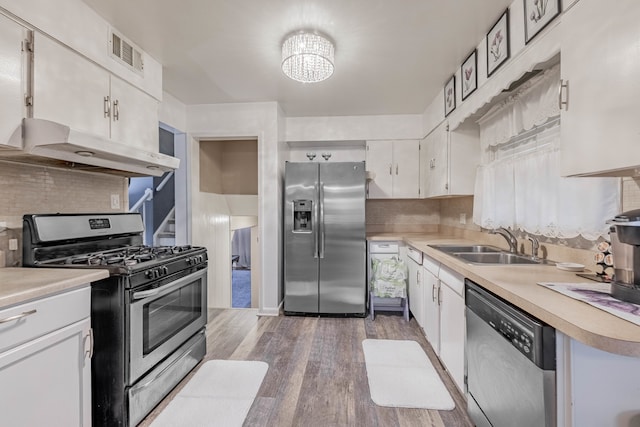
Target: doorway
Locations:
point(242, 292)
point(228, 187)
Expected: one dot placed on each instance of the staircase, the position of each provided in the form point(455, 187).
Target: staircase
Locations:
point(165, 235)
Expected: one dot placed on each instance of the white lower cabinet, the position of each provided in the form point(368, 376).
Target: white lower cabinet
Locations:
point(45, 365)
point(595, 388)
point(431, 286)
point(416, 288)
point(452, 324)
point(444, 316)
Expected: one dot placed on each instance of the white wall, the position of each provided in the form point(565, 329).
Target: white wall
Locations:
point(251, 120)
point(172, 112)
point(353, 128)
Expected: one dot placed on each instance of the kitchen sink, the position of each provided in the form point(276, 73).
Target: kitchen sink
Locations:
point(489, 255)
point(466, 248)
point(496, 258)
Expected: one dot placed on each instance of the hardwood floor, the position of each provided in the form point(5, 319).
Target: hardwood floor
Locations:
point(317, 375)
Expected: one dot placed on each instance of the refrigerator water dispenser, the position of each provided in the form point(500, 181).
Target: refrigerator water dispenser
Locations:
point(302, 216)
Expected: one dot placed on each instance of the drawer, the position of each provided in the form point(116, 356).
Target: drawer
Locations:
point(51, 313)
point(414, 254)
point(452, 279)
point(384, 247)
point(431, 265)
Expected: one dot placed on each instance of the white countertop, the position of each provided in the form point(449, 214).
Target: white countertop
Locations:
point(518, 285)
point(18, 285)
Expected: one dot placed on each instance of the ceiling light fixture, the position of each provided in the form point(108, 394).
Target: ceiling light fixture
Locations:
point(307, 57)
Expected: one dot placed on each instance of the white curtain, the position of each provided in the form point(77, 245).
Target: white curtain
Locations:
point(518, 184)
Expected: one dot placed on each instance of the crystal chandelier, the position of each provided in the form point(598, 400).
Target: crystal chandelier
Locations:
point(307, 57)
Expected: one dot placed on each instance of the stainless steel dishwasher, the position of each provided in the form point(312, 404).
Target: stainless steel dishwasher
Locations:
point(511, 379)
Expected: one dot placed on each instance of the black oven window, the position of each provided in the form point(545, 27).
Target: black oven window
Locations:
point(168, 315)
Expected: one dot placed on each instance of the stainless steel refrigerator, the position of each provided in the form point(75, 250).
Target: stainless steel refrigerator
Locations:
point(324, 238)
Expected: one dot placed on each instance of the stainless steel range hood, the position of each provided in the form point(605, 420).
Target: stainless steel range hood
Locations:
point(55, 144)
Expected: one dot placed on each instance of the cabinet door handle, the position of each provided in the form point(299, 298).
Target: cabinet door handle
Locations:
point(439, 296)
point(396, 169)
point(432, 163)
point(390, 169)
point(116, 110)
point(107, 106)
point(433, 292)
point(19, 316)
point(564, 84)
point(418, 277)
point(88, 353)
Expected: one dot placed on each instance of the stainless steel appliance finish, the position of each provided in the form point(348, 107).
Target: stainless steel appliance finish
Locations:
point(324, 238)
point(510, 364)
point(625, 242)
point(148, 316)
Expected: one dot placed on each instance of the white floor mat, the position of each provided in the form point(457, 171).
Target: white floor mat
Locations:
point(401, 375)
point(219, 394)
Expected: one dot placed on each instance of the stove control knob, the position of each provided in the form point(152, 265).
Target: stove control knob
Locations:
point(190, 261)
point(200, 258)
point(151, 274)
point(165, 270)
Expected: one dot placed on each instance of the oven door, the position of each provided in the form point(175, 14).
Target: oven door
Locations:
point(161, 319)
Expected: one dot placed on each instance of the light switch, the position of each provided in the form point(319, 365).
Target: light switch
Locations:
point(463, 218)
point(115, 201)
point(13, 244)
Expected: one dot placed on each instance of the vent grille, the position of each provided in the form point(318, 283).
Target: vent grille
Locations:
point(126, 53)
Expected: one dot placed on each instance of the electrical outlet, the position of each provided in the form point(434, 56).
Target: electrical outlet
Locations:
point(115, 201)
point(13, 244)
point(463, 218)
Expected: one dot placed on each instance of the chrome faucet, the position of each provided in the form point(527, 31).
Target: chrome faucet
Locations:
point(511, 239)
point(535, 245)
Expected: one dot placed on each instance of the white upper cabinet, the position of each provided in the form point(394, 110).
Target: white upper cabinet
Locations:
point(134, 116)
point(396, 165)
point(13, 81)
point(71, 90)
point(449, 160)
point(600, 63)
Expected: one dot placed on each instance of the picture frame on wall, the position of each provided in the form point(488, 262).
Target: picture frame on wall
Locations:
point(450, 96)
point(498, 49)
point(537, 15)
point(469, 74)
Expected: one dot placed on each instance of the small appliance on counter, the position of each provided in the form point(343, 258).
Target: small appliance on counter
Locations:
point(625, 244)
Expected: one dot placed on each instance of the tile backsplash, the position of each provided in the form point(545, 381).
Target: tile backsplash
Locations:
point(630, 194)
point(402, 215)
point(26, 189)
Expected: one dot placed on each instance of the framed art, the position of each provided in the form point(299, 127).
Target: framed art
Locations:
point(498, 43)
point(469, 75)
point(450, 96)
point(537, 14)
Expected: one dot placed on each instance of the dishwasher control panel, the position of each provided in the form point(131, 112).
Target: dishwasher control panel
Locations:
point(520, 338)
point(530, 336)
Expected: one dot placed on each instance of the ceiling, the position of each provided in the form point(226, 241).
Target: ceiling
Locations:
point(392, 56)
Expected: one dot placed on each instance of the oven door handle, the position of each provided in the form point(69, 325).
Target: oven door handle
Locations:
point(144, 294)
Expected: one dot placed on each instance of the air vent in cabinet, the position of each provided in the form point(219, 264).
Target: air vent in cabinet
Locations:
point(126, 53)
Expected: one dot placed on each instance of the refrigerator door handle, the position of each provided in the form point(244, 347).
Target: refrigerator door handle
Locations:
point(316, 223)
point(321, 223)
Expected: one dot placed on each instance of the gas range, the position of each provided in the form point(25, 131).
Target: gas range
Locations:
point(148, 317)
point(106, 241)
